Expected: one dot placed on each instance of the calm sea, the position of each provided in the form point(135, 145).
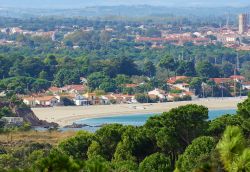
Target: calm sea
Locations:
point(136, 120)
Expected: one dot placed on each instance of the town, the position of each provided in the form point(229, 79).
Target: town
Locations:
point(157, 35)
point(179, 90)
point(176, 66)
point(124, 86)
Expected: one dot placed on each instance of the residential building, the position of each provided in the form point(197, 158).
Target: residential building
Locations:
point(161, 94)
point(46, 101)
point(246, 85)
point(54, 90)
point(92, 98)
point(77, 89)
point(237, 78)
point(30, 101)
point(13, 120)
point(131, 85)
point(80, 100)
point(173, 80)
point(182, 86)
point(65, 95)
point(34, 101)
point(105, 99)
point(219, 81)
point(171, 97)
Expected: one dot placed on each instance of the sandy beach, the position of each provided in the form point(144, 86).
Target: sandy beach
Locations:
point(67, 115)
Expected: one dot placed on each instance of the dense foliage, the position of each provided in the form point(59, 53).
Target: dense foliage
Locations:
point(99, 55)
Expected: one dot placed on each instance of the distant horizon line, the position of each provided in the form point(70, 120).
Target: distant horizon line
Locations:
point(124, 5)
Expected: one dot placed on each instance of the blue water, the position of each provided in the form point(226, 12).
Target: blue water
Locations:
point(137, 119)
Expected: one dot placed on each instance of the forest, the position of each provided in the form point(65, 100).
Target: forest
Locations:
point(109, 68)
point(108, 59)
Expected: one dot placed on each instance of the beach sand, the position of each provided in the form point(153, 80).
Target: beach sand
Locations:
point(67, 115)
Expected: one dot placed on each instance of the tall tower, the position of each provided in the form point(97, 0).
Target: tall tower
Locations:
point(243, 21)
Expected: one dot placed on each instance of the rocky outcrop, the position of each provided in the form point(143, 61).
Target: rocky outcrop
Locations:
point(21, 110)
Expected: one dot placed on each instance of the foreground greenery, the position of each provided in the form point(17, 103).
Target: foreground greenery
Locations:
point(180, 140)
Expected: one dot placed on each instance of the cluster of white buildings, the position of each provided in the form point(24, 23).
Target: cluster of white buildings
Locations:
point(78, 95)
point(18, 30)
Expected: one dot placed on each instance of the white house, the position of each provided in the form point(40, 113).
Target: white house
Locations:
point(158, 92)
point(182, 86)
point(30, 101)
point(46, 101)
point(80, 100)
point(13, 120)
point(105, 100)
point(246, 85)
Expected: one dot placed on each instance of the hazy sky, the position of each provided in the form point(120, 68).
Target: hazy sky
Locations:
point(84, 3)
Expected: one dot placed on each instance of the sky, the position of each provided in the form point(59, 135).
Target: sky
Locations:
point(85, 3)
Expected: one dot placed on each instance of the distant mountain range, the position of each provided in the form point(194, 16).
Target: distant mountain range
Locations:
point(67, 4)
point(128, 8)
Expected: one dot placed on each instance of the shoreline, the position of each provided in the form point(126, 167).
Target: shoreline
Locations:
point(68, 115)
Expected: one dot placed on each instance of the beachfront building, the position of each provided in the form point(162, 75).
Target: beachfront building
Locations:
point(161, 94)
point(181, 96)
point(182, 86)
point(46, 101)
point(120, 98)
point(177, 79)
point(92, 98)
point(77, 89)
point(40, 101)
point(237, 78)
point(172, 97)
point(106, 99)
point(80, 100)
point(30, 101)
point(13, 120)
point(68, 89)
point(246, 85)
point(54, 90)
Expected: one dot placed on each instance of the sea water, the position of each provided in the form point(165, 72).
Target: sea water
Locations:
point(136, 119)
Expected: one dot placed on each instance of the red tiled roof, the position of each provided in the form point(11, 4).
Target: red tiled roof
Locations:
point(188, 93)
point(170, 38)
point(246, 83)
point(239, 77)
point(152, 96)
point(172, 80)
point(29, 98)
point(45, 98)
point(54, 89)
point(221, 80)
point(131, 85)
point(74, 87)
point(174, 95)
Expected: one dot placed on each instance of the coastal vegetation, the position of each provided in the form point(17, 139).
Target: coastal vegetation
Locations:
point(110, 73)
point(182, 139)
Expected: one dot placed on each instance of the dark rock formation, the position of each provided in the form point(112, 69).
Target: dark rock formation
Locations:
point(19, 109)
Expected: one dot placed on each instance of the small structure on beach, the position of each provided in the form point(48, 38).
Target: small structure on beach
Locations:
point(13, 120)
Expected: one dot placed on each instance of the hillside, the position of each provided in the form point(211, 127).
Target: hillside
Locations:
point(16, 108)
